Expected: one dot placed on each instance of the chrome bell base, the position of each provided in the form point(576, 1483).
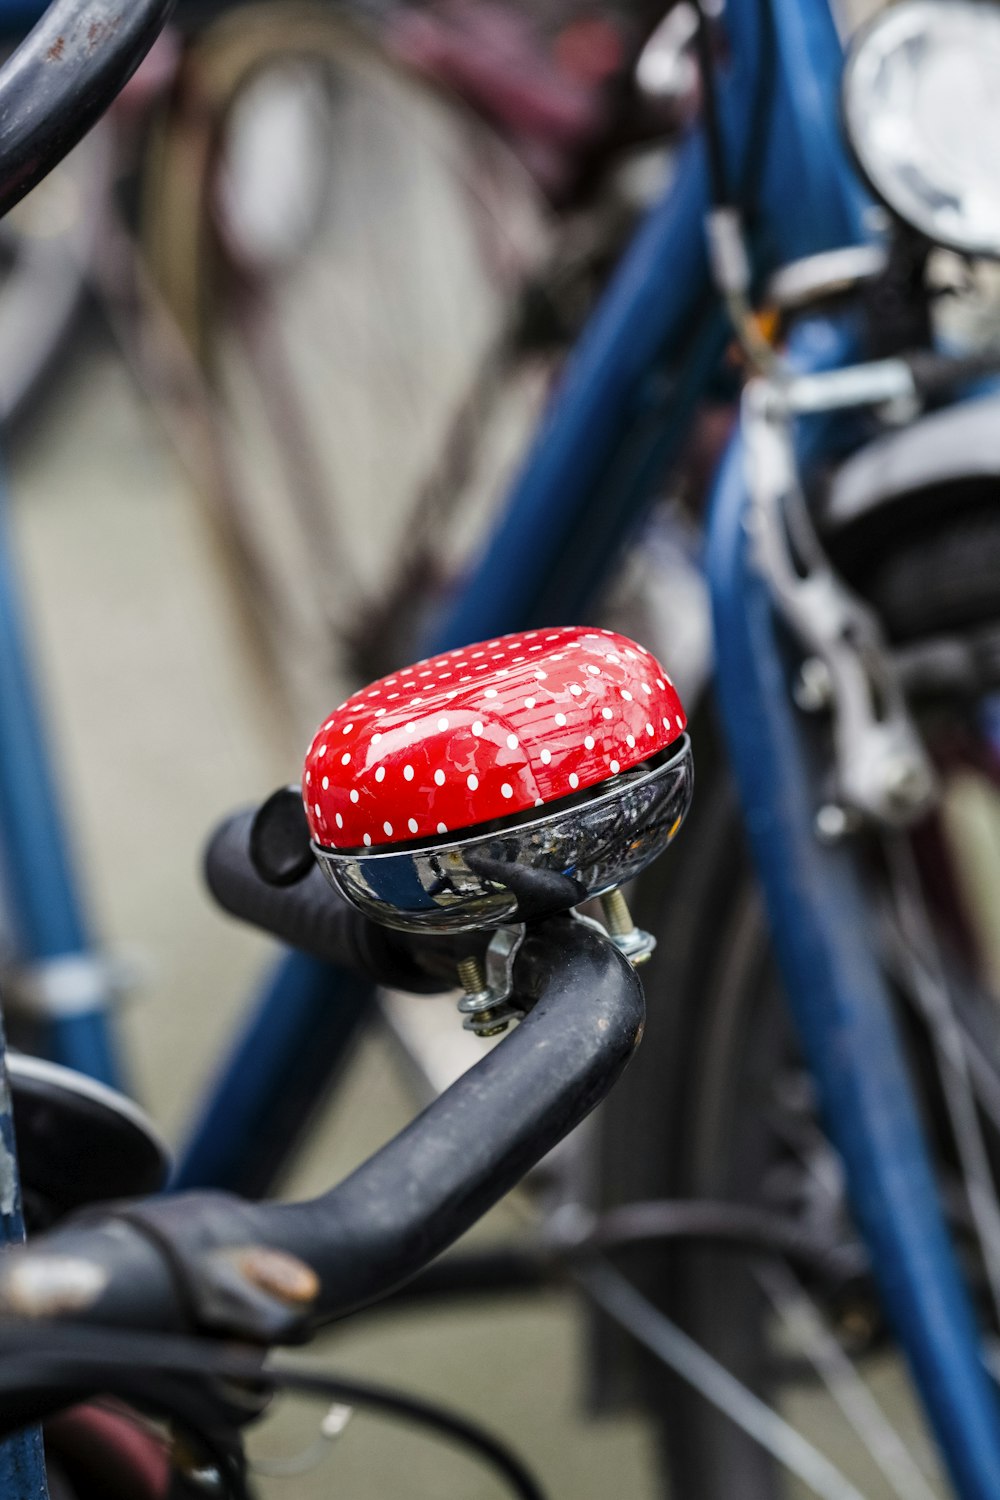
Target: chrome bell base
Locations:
point(530, 868)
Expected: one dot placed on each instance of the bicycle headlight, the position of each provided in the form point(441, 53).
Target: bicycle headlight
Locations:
point(921, 97)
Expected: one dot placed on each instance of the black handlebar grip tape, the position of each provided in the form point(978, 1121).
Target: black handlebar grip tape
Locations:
point(311, 916)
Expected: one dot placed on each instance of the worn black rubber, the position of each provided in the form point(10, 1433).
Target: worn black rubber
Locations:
point(945, 579)
point(188, 1261)
point(310, 915)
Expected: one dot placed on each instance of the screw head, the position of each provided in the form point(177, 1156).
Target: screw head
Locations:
point(832, 823)
point(812, 689)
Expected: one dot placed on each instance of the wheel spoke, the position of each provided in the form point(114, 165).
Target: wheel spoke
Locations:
point(620, 1301)
point(930, 989)
point(855, 1399)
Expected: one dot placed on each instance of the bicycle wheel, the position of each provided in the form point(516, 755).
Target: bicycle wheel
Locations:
point(742, 1123)
point(344, 251)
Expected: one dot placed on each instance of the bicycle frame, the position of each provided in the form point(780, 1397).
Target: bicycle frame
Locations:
point(61, 980)
point(620, 416)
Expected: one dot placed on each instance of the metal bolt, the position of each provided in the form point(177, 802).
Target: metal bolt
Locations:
point(636, 945)
point(812, 689)
point(616, 914)
point(472, 976)
point(832, 823)
point(478, 1003)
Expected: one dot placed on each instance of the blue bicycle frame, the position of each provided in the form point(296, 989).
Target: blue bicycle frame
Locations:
point(644, 363)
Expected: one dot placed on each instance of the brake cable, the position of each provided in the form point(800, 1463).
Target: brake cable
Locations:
point(44, 1367)
point(729, 257)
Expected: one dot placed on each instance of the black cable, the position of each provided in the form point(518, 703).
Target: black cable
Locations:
point(723, 196)
point(423, 1413)
point(735, 1226)
point(45, 1367)
point(538, 1263)
point(763, 110)
point(715, 145)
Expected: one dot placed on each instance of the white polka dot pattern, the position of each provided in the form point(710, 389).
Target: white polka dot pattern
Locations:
point(483, 732)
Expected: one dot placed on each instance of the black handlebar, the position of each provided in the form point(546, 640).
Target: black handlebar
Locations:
point(204, 1260)
point(312, 916)
point(62, 77)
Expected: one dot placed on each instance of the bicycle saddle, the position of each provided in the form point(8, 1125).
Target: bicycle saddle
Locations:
point(499, 782)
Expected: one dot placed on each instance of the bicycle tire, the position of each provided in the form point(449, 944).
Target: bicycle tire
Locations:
point(334, 547)
point(718, 1029)
point(946, 578)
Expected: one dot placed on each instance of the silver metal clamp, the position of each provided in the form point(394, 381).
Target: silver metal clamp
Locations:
point(882, 769)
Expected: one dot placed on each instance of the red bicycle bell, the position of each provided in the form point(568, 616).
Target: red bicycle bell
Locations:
point(500, 782)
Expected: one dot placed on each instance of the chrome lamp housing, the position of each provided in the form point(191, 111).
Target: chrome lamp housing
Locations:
point(921, 106)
